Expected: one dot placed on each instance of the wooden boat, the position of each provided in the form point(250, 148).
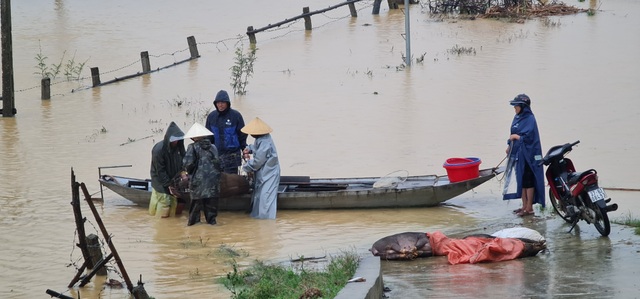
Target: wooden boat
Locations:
point(300, 192)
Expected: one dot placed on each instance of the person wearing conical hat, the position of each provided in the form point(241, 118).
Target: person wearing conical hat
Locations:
point(265, 168)
point(202, 164)
point(166, 162)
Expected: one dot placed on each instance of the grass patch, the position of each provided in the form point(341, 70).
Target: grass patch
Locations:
point(629, 221)
point(262, 280)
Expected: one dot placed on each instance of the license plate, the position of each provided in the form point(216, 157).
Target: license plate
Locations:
point(597, 194)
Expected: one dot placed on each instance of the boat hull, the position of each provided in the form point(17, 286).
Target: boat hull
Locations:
point(415, 191)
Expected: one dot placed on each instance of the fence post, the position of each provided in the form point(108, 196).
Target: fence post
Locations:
point(45, 86)
point(352, 9)
point(146, 65)
point(376, 7)
point(96, 254)
point(307, 19)
point(252, 36)
point(8, 92)
point(95, 76)
point(193, 47)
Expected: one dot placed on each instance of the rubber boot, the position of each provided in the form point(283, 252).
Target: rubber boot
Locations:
point(194, 212)
point(211, 210)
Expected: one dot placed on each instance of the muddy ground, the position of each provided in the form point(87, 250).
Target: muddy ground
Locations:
point(577, 264)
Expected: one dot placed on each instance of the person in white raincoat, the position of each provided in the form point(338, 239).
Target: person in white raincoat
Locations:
point(265, 168)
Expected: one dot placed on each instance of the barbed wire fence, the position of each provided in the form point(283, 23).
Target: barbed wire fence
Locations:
point(220, 45)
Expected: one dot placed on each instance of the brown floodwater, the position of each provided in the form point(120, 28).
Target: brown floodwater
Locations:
point(340, 104)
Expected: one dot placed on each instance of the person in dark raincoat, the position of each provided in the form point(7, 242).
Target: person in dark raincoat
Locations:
point(525, 155)
point(265, 167)
point(166, 163)
point(225, 124)
point(202, 164)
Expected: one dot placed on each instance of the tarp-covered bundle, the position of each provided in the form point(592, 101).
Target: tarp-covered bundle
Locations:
point(473, 249)
point(506, 244)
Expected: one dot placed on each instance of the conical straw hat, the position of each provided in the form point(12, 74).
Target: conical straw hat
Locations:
point(197, 130)
point(256, 127)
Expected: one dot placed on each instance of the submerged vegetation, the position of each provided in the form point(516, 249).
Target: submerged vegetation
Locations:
point(242, 70)
point(264, 280)
point(462, 50)
point(72, 69)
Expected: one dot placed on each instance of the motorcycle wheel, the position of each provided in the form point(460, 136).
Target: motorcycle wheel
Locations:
point(602, 221)
point(560, 208)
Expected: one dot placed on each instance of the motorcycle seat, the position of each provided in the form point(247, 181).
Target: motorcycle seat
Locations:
point(574, 177)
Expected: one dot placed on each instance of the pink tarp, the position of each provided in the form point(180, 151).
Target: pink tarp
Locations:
point(475, 249)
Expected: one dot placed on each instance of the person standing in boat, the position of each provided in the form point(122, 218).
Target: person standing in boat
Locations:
point(166, 163)
point(525, 155)
point(264, 167)
point(202, 164)
point(225, 124)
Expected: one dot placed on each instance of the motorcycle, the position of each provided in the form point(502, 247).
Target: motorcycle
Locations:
point(576, 195)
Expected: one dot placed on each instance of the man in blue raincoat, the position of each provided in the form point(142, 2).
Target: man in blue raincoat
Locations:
point(525, 155)
point(225, 124)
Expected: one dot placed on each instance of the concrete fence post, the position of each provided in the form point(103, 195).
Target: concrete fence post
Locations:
point(146, 65)
point(193, 47)
point(307, 19)
point(352, 9)
point(252, 36)
point(95, 76)
point(45, 85)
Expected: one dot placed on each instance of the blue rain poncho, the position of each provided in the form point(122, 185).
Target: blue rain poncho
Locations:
point(527, 149)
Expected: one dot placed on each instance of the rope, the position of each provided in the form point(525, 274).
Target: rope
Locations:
point(507, 156)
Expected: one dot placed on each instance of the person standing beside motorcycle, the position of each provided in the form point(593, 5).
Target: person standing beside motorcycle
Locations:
point(525, 155)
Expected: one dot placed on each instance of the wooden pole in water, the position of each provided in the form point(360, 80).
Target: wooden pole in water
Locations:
point(99, 265)
point(307, 19)
point(8, 100)
point(57, 295)
point(77, 277)
point(139, 292)
point(77, 212)
point(45, 85)
point(105, 235)
point(144, 58)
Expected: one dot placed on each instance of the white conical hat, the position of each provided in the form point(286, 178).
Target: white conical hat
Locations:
point(197, 130)
point(256, 127)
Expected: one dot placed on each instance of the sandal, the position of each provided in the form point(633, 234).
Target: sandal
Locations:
point(525, 213)
point(518, 210)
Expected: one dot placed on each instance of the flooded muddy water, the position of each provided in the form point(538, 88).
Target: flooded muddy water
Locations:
point(341, 105)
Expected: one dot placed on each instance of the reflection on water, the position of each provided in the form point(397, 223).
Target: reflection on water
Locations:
point(339, 108)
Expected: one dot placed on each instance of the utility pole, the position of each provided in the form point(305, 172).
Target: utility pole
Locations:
point(8, 104)
point(407, 30)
